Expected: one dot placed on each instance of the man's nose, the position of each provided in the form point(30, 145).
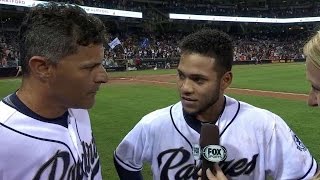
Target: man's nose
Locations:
point(102, 75)
point(186, 86)
point(312, 99)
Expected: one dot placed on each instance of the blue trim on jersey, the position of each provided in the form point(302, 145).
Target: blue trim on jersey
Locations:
point(309, 170)
point(234, 117)
point(13, 101)
point(175, 126)
point(95, 169)
point(77, 129)
point(125, 174)
point(116, 156)
point(42, 139)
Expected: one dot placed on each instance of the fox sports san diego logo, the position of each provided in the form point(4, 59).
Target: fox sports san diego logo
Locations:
point(214, 153)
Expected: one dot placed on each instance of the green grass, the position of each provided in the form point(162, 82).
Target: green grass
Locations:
point(8, 86)
point(283, 77)
point(143, 72)
point(120, 107)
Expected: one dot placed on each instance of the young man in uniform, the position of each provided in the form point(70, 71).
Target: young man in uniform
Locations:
point(312, 54)
point(44, 125)
point(258, 142)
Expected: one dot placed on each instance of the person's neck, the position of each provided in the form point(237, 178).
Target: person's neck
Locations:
point(213, 113)
point(37, 99)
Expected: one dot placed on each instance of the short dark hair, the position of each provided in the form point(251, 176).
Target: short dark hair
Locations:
point(211, 43)
point(55, 30)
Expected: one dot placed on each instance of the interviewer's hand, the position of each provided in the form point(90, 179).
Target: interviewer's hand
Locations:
point(219, 175)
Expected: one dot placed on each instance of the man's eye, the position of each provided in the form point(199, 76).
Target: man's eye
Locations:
point(89, 67)
point(92, 66)
point(315, 89)
point(199, 80)
point(181, 76)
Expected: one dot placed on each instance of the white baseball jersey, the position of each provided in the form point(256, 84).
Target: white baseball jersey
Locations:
point(258, 143)
point(33, 147)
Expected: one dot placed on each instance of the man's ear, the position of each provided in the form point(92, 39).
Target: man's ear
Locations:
point(40, 67)
point(226, 80)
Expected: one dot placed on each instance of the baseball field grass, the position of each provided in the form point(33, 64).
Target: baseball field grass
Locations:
point(283, 77)
point(120, 106)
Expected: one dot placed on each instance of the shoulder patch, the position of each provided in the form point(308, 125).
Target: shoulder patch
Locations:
point(298, 142)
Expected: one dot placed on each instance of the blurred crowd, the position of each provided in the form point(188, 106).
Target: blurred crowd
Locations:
point(263, 47)
point(153, 44)
point(250, 47)
point(9, 53)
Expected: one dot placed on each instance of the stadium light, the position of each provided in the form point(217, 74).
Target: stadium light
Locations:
point(242, 19)
point(91, 10)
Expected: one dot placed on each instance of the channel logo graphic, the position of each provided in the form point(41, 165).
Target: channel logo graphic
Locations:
point(212, 153)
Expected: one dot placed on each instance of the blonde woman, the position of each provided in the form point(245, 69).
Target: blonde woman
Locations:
point(312, 53)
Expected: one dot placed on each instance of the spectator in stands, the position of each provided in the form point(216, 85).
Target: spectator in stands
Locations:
point(19, 71)
point(138, 62)
point(4, 61)
point(168, 65)
point(2, 54)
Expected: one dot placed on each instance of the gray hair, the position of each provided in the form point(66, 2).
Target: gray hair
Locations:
point(55, 30)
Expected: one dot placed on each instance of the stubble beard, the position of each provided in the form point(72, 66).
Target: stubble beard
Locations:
point(208, 104)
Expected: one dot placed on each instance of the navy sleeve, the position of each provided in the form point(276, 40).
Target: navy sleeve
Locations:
point(125, 174)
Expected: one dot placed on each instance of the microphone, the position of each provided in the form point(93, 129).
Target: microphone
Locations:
point(209, 135)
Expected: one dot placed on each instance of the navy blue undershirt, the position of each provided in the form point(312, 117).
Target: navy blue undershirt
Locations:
point(14, 101)
point(194, 123)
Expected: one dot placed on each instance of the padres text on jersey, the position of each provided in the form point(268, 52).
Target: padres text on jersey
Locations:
point(254, 139)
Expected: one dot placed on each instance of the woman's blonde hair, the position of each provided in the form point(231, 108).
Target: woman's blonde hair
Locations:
point(311, 50)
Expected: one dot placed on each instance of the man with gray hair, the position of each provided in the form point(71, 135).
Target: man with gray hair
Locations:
point(45, 124)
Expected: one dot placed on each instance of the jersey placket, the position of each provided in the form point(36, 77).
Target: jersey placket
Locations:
point(73, 135)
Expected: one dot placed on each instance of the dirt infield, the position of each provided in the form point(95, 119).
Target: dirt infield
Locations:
point(169, 80)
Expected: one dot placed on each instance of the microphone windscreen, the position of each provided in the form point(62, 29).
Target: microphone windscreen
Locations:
point(209, 135)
